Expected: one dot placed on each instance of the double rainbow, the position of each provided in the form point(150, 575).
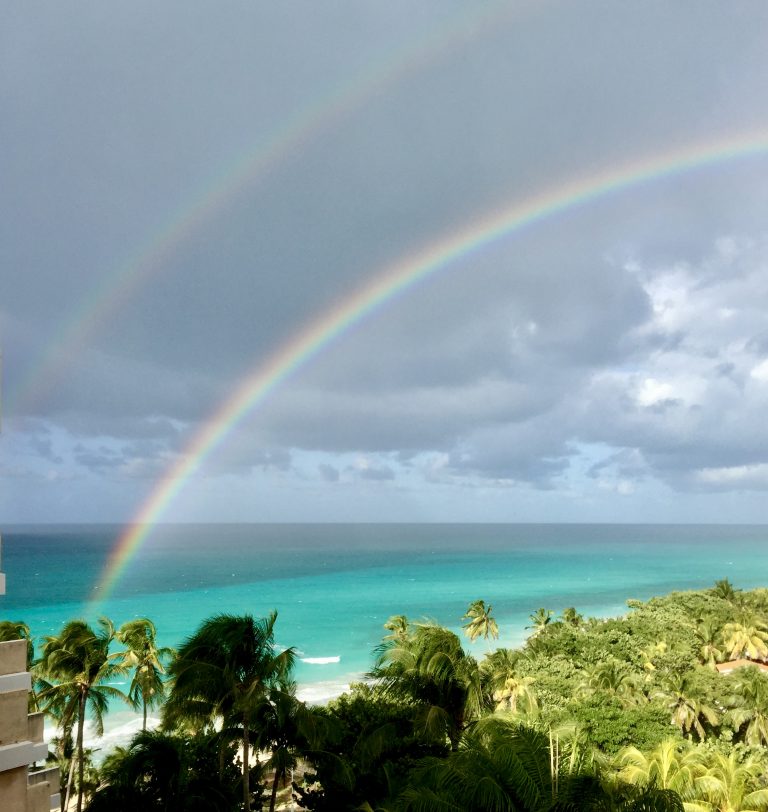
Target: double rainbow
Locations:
point(392, 282)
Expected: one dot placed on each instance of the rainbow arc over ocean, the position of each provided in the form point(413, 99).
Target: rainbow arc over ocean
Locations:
point(385, 287)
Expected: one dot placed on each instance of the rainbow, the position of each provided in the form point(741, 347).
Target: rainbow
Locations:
point(392, 282)
point(232, 180)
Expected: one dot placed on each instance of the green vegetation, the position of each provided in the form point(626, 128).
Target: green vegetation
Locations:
point(146, 660)
point(480, 623)
point(625, 713)
point(73, 673)
point(225, 673)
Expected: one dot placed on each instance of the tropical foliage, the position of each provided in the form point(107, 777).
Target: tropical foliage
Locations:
point(223, 674)
point(159, 772)
point(627, 713)
point(428, 668)
point(74, 675)
point(480, 623)
point(143, 655)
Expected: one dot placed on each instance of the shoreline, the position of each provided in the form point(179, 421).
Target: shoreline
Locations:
point(121, 724)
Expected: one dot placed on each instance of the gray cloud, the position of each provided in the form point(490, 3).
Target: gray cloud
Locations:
point(328, 472)
point(374, 473)
point(633, 324)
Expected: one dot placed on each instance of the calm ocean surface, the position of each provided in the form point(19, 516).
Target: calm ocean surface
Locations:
point(335, 585)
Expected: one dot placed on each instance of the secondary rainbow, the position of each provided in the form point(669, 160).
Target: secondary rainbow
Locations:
point(238, 174)
point(387, 286)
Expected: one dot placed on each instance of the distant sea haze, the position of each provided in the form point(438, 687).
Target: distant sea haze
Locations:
point(334, 586)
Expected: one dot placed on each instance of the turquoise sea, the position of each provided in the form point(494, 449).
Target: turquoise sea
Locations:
point(335, 585)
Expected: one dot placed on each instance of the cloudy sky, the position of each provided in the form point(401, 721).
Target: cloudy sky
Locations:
point(186, 187)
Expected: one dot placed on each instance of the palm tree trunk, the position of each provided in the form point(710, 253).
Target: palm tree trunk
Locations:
point(246, 768)
point(71, 775)
point(273, 798)
point(144, 726)
point(222, 758)
point(80, 764)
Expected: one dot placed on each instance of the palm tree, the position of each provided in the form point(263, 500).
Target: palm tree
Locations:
point(540, 619)
point(431, 670)
point(223, 672)
point(398, 628)
point(688, 709)
point(159, 772)
point(479, 622)
point(731, 784)
point(143, 655)
point(75, 669)
point(284, 724)
point(746, 638)
point(571, 617)
point(725, 590)
point(671, 765)
point(517, 695)
point(614, 677)
point(750, 705)
point(709, 636)
point(507, 687)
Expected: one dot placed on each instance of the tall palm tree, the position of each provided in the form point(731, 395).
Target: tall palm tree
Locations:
point(431, 670)
point(479, 622)
point(75, 669)
point(142, 653)
point(749, 705)
point(540, 619)
point(223, 672)
point(284, 725)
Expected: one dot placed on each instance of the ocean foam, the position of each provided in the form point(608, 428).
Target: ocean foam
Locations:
point(120, 728)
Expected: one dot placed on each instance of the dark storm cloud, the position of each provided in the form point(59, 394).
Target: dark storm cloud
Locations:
point(635, 323)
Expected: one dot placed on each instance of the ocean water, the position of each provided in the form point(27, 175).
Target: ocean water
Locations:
point(334, 586)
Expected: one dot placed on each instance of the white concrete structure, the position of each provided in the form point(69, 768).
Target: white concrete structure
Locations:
point(21, 737)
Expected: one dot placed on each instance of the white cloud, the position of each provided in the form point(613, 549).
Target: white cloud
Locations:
point(736, 476)
point(652, 391)
point(760, 371)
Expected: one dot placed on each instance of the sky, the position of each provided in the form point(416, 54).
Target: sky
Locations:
point(188, 188)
